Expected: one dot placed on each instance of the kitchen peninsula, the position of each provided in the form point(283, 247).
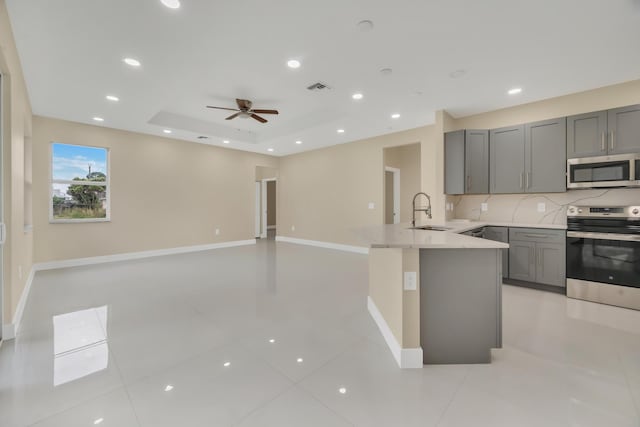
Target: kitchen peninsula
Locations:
point(435, 294)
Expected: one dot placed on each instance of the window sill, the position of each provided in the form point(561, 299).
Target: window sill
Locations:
point(78, 221)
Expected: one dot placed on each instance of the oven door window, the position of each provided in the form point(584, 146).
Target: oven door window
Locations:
point(600, 172)
point(605, 261)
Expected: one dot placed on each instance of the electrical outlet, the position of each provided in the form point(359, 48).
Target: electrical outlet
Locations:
point(372, 205)
point(410, 281)
point(217, 231)
point(542, 207)
point(293, 228)
point(484, 207)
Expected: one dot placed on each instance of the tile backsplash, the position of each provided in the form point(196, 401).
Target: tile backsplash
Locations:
point(526, 208)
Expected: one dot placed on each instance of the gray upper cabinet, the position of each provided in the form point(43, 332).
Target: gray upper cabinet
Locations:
point(601, 133)
point(466, 154)
point(476, 162)
point(506, 159)
point(545, 156)
point(624, 130)
point(454, 181)
point(587, 135)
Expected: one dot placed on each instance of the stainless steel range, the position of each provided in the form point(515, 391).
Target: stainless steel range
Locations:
point(603, 254)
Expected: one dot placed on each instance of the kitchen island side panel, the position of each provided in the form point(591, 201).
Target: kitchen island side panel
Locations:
point(460, 305)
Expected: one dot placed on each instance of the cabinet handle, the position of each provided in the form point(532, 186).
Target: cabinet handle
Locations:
point(521, 178)
point(613, 139)
point(540, 258)
point(602, 147)
point(468, 182)
point(528, 179)
point(536, 236)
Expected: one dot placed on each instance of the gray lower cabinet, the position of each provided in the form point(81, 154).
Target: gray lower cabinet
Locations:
point(466, 154)
point(500, 234)
point(624, 130)
point(506, 160)
point(522, 260)
point(537, 255)
point(545, 156)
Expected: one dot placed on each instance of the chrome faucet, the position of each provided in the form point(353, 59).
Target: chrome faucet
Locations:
point(426, 210)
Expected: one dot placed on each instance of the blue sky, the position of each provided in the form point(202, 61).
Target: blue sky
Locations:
point(71, 161)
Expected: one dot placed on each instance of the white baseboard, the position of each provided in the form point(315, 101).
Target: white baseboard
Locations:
point(10, 330)
point(327, 245)
point(406, 358)
point(137, 255)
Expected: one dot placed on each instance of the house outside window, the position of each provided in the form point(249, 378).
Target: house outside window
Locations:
point(79, 184)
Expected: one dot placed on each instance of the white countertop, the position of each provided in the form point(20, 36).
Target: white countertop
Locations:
point(403, 236)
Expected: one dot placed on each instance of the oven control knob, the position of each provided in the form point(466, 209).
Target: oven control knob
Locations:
point(572, 210)
point(579, 210)
point(636, 211)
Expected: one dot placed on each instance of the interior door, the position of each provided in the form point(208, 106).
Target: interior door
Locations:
point(388, 197)
point(258, 210)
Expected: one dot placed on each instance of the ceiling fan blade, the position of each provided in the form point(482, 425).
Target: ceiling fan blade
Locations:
point(233, 116)
point(258, 118)
point(243, 104)
point(265, 111)
point(222, 108)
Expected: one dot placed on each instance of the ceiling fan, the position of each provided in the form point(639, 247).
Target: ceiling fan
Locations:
point(244, 111)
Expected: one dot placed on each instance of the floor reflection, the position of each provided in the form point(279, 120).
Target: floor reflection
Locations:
point(79, 344)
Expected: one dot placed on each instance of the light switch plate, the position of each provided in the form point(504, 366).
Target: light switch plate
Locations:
point(410, 281)
point(217, 231)
point(542, 207)
point(484, 207)
point(372, 205)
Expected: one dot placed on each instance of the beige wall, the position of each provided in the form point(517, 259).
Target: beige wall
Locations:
point(16, 118)
point(407, 159)
point(165, 193)
point(325, 193)
point(523, 207)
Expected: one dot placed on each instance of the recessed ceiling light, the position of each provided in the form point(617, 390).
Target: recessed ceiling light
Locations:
point(293, 63)
point(457, 74)
point(169, 387)
point(395, 116)
point(342, 390)
point(171, 4)
point(365, 25)
point(357, 96)
point(225, 142)
point(98, 119)
point(300, 360)
point(298, 142)
point(132, 62)
point(272, 340)
point(112, 98)
point(340, 131)
point(514, 91)
point(270, 150)
point(98, 421)
point(226, 364)
point(167, 131)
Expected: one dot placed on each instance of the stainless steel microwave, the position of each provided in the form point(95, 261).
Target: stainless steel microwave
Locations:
point(621, 170)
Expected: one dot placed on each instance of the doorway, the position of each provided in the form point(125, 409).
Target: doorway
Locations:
point(391, 195)
point(2, 226)
point(266, 205)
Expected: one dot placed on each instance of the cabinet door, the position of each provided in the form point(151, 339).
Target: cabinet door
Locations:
point(506, 150)
point(454, 181)
point(476, 162)
point(522, 257)
point(587, 135)
point(550, 264)
point(500, 234)
point(624, 130)
point(545, 156)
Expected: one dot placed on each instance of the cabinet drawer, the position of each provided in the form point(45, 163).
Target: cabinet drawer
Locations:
point(537, 235)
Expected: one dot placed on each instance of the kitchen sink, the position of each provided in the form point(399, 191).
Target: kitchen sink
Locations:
point(430, 228)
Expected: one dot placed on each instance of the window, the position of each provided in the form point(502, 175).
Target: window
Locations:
point(79, 183)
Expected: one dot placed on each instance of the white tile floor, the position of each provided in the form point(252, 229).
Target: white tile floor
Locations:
point(267, 335)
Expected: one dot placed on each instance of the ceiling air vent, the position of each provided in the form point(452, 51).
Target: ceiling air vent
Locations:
point(318, 86)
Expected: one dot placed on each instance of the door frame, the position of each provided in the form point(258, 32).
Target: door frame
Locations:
point(263, 228)
point(396, 193)
point(258, 209)
point(3, 230)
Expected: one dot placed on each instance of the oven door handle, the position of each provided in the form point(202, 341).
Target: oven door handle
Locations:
point(604, 236)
